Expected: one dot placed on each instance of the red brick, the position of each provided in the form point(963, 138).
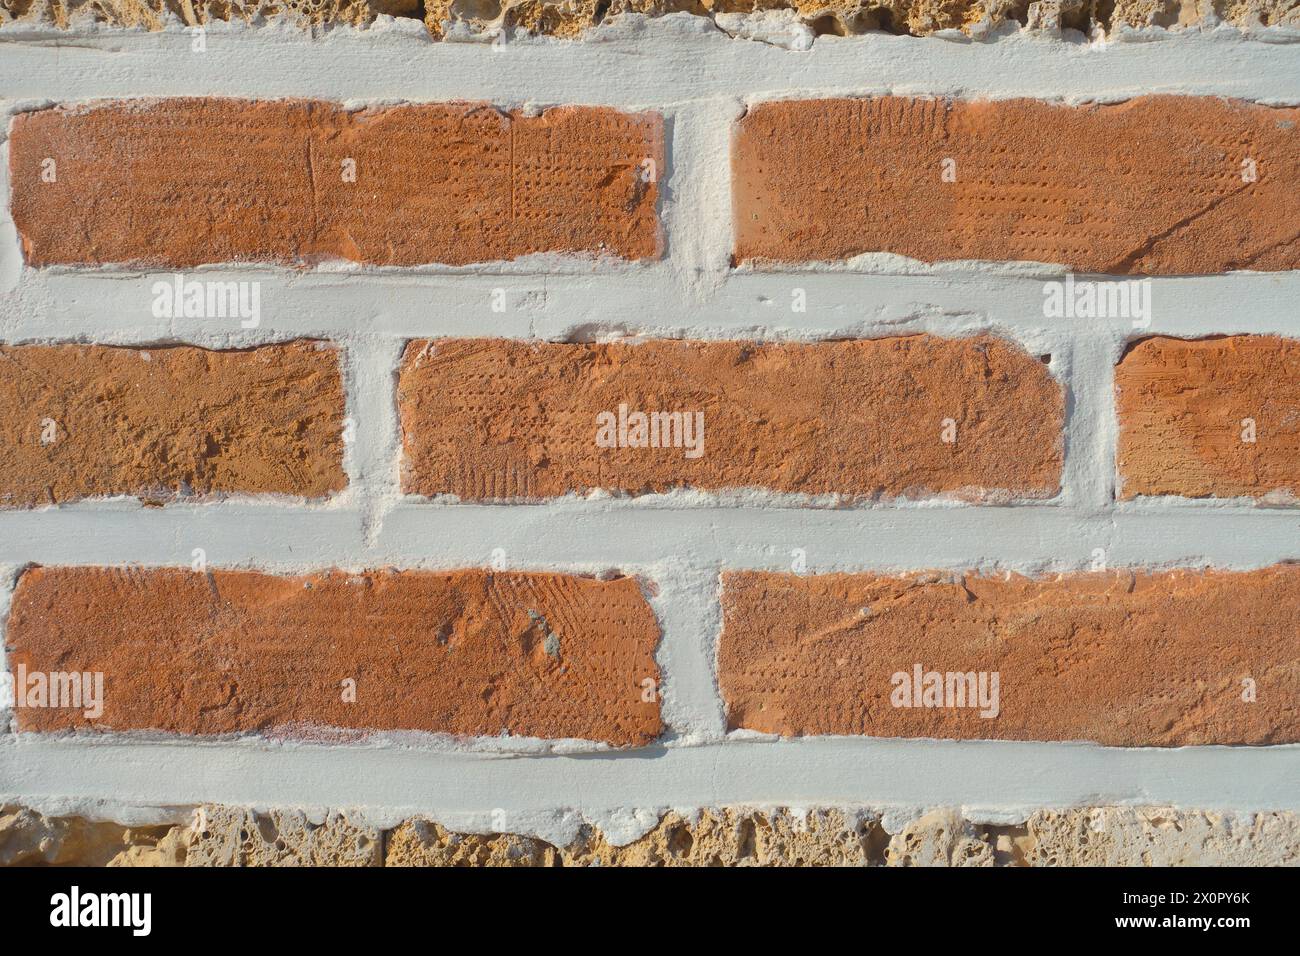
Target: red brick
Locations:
point(486, 419)
point(1151, 186)
point(186, 181)
point(229, 652)
point(1121, 658)
point(78, 421)
point(1183, 412)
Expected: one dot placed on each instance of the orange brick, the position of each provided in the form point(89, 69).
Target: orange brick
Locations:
point(228, 652)
point(1121, 658)
point(187, 181)
point(1153, 186)
point(487, 419)
point(1210, 418)
point(78, 421)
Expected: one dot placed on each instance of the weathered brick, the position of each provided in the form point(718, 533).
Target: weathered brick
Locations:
point(466, 652)
point(1121, 658)
point(1210, 418)
point(1155, 185)
point(267, 182)
point(486, 419)
point(78, 421)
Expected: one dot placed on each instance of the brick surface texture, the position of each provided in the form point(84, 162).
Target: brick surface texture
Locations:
point(79, 421)
point(498, 419)
point(1120, 658)
point(442, 183)
point(1210, 418)
point(1151, 186)
point(467, 652)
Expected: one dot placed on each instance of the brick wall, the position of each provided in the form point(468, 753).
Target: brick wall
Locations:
point(652, 425)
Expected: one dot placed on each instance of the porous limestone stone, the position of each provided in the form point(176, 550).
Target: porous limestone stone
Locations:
point(1153, 836)
point(1098, 836)
point(1105, 836)
point(29, 838)
point(940, 838)
point(723, 837)
point(235, 836)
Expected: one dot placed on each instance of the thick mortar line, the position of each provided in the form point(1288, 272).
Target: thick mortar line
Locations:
point(631, 64)
point(114, 308)
point(8, 578)
point(1092, 430)
point(391, 782)
point(236, 536)
point(1028, 538)
point(758, 531)
point(685, 600)
point(698, 140)
point(371, 429)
